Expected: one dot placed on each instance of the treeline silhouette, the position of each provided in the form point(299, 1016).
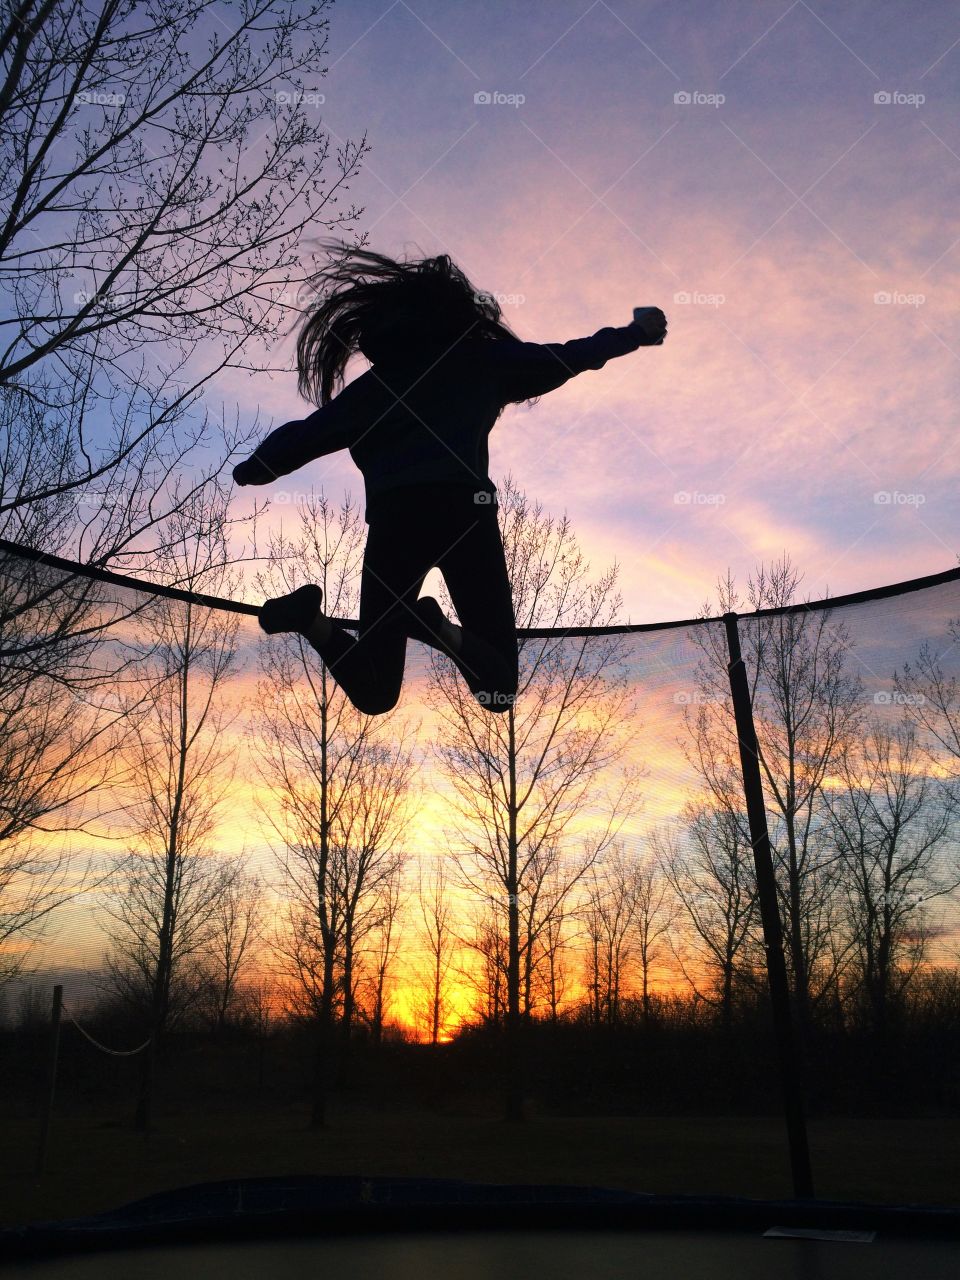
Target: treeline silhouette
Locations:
point(543, 905)
point(679, 1056)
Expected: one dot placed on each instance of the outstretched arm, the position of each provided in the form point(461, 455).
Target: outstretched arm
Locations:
point(528, 369)
point(332, 427)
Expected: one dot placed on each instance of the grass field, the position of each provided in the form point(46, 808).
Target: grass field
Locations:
point(95, 1164)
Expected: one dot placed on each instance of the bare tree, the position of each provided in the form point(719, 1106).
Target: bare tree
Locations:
point(628, 910)
point(523, 775)
point(806, 707)
point(160, 164)
point(890, 826)
point(713, 877)
point(66, 707)
point(551, 925)
point(438, 939)
point(57, 756)
point(380, 950)
point(371, 821)
point(556, 966)
point(608, 916)
point(930, 695)
point(341, 784)
point(339, 859)
point(158, 171)
point(236, 929)
point(655, 915)
point(485, 937)
point(164, 914)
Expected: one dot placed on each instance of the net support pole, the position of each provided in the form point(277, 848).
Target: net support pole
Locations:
point(788, 1048)
point(51, 1075)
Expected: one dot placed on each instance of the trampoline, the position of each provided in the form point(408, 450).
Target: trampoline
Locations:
point(76, 1078)
point(390, 1228)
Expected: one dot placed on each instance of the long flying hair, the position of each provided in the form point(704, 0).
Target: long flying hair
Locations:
point(366, 298)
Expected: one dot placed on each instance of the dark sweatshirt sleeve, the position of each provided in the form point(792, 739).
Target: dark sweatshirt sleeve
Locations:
point(527, 369)
point(333, 426)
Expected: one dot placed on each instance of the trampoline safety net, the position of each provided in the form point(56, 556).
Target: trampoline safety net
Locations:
point(246, 930)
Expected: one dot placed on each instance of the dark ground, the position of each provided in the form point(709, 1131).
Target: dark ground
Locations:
point(94, 1164)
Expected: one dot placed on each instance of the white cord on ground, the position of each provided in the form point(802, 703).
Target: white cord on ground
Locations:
point(114, 1053)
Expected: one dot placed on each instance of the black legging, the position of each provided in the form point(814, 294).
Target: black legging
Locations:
point(412, 531)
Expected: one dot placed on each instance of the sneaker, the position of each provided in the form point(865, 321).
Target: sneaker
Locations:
point(430, 624)
point(294, 612)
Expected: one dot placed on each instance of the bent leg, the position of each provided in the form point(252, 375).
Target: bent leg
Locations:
point(370, 675)
point(369, 668)
point(475, 571)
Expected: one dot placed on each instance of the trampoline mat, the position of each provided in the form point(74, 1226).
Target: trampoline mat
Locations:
point(518, 1255)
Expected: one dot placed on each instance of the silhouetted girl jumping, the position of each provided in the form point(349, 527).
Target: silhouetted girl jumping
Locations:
point(443, 367)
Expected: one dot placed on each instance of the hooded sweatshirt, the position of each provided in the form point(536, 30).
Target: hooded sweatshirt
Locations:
point(422, 414)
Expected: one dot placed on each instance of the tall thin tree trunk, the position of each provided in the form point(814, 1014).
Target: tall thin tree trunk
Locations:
point(324, 1064)
point(164, 973)
point(324, 1043)
point(435, 1019)
point(514, 1087)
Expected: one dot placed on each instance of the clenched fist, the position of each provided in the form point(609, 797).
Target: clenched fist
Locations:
point(653, 323)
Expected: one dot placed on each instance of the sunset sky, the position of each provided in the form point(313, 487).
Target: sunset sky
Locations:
point(661, 667)
point(781, 198)
point(782, 180)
